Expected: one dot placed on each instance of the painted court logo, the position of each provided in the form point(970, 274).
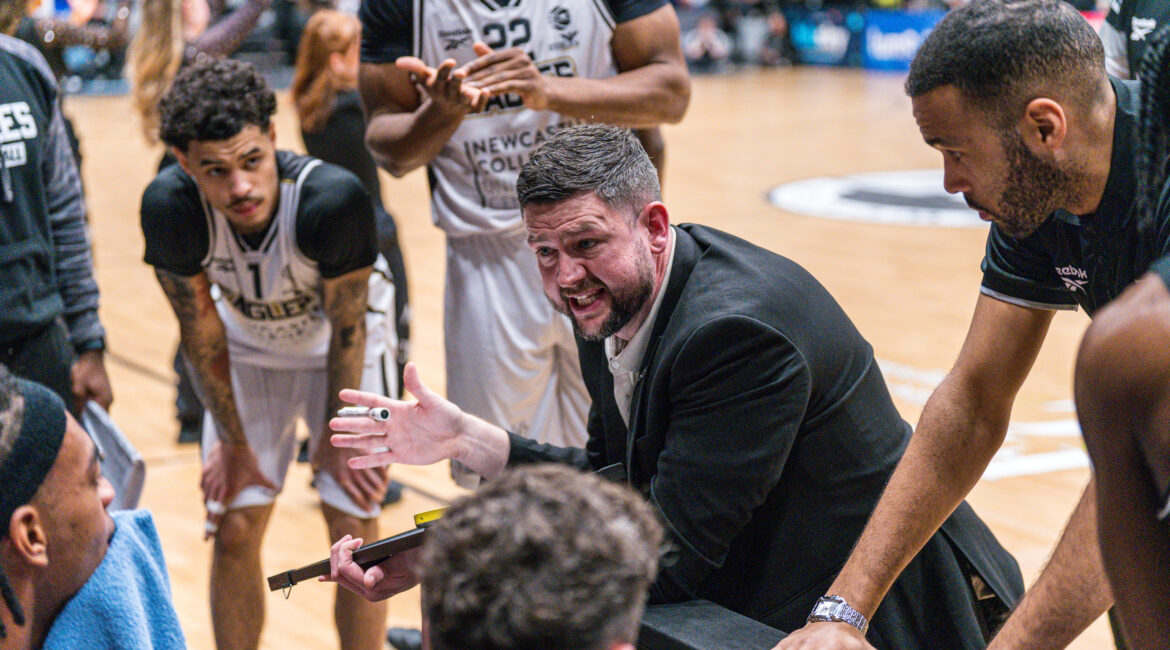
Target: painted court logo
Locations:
point(908, 198)
point(1074, 279)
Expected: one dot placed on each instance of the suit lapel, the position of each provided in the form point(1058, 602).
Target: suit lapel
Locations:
point(686, 255)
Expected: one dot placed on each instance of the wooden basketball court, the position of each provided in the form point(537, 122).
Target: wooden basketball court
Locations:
point(910, 290)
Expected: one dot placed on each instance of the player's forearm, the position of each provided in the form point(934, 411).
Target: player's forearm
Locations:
point(204, 341)
point(483, 447)
point(345, 299)
point(344, 363)
point(207, 352)
point(955, 440)
point(648, 96)
point(402, 142)
point(1071, 592)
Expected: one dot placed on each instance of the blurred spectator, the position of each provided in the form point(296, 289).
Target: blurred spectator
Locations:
point(175, 33)
point(706, 47)
point(86, 31)
point(777, 49)
point(91, 26)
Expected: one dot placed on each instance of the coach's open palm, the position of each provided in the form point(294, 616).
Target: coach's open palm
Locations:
point(419, 432)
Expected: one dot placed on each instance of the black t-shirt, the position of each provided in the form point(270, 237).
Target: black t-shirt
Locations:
point(341, 141)
point(335, 219)
point(388, 25)
point(1084, 260)
point(1136, 21)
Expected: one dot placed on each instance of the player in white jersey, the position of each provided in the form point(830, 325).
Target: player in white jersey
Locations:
point(269, 261)
point(530, 68)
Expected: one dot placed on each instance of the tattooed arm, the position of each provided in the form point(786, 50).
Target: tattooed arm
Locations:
point(204, 341)
point(231, 465)
point(345, 306)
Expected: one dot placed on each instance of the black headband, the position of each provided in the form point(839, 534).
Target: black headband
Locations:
point(42, 428)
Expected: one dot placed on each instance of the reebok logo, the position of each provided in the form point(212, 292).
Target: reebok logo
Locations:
point(1074, 279)
point(1140, 28)
point(455, 38)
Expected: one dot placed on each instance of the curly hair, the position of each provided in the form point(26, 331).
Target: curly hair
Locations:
point(214, 100)
point(542, 557)
point(1001, 54)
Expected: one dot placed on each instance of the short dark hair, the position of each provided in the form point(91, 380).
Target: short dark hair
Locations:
point(1001, 54)
point(606, 160)
point(214, 99)
point(541, 557)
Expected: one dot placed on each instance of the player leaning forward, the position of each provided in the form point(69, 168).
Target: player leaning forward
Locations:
point(269, 261)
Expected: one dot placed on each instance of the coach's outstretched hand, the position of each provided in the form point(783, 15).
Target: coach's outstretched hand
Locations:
point(420, 432)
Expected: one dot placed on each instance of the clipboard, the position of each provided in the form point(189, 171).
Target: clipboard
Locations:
point(366, 556)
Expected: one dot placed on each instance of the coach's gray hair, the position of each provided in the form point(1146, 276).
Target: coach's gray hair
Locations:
point(600, 158)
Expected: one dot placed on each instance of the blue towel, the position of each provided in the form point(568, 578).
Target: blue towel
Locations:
point(126, 603)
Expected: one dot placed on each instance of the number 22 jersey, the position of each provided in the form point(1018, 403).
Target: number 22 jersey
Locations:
point(473, 179)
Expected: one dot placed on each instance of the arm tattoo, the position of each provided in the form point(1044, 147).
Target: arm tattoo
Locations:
point(345, 306)
point(204, 344)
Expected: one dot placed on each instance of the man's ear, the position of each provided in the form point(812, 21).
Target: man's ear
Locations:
point(272, 132)
point(656, 220)
point(1044, 125)
point(26, 536)
point(181, 156)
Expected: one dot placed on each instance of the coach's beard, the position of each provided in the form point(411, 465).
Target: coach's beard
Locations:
point(624, 304)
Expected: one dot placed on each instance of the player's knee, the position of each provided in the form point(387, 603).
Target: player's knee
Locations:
point(238, 535)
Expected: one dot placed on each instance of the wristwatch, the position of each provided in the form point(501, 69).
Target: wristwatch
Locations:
point(835, 609)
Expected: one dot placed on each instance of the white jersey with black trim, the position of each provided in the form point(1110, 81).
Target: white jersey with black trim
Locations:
point(474, 176)
point(269, 297)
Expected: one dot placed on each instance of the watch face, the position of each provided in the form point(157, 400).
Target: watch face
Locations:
point(834, 608)
point(827, 608)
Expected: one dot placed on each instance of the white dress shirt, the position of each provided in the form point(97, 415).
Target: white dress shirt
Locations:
point(624, 365)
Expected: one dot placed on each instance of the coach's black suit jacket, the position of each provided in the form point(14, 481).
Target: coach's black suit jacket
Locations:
point(763, 432)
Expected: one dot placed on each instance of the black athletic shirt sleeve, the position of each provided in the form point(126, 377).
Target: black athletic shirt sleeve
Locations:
point(335, 222)
point(626, 10)
point(174, 224)
point(1021, 271)
point(388, 25)
point(387, 30)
